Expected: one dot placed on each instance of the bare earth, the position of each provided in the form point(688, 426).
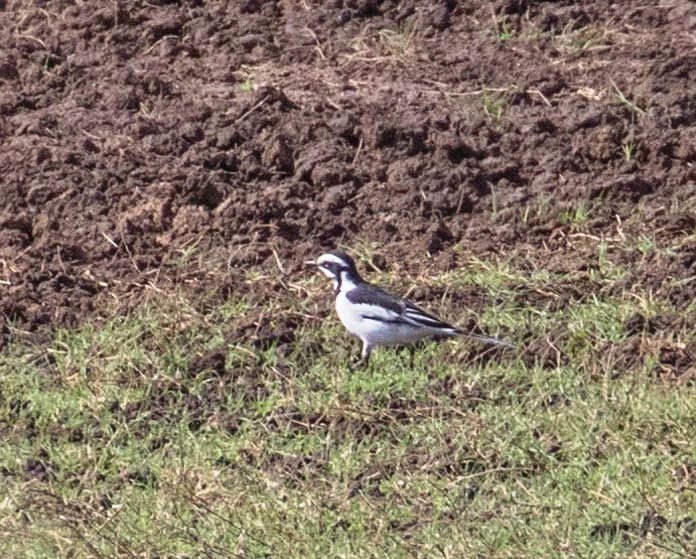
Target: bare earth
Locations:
point(259, 133)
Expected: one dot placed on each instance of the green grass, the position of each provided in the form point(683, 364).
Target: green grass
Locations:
point(398, 43)
point(494, 104)
point(191, 430)
point(577, 217)
point(501, 29)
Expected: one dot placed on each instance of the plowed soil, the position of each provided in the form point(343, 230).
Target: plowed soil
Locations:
point(257, 133)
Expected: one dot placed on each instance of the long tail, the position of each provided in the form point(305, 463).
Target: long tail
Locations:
point(485, 339)
point(419, 317)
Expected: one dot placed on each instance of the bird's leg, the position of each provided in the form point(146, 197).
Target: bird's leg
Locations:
point(366, 350)
point(364, 355)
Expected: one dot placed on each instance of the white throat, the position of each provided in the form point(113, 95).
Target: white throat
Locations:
point(343, 284)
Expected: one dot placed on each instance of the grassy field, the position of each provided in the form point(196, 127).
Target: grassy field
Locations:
point(171, 432)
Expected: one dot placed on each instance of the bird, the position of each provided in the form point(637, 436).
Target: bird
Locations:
point(377, 317)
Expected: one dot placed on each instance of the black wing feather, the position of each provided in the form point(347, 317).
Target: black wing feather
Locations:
point(368, 294)
point(409, 313)
point(425, 318)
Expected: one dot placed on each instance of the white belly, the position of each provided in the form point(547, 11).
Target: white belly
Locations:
point(377, 332)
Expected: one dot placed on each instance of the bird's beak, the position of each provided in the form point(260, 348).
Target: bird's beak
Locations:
point(311, 262)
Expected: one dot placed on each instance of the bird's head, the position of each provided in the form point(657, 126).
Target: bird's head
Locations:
point(337, 266)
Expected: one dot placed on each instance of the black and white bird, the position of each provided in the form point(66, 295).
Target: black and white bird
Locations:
point(378, 317)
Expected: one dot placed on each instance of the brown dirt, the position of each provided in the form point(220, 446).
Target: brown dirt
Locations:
point(263, 130)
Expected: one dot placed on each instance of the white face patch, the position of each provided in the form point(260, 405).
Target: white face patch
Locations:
point(339, 268)
point(328, 273)
point(329, 259)
point(324, 258)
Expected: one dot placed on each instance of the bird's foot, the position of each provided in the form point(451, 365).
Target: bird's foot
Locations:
point(358, 362)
